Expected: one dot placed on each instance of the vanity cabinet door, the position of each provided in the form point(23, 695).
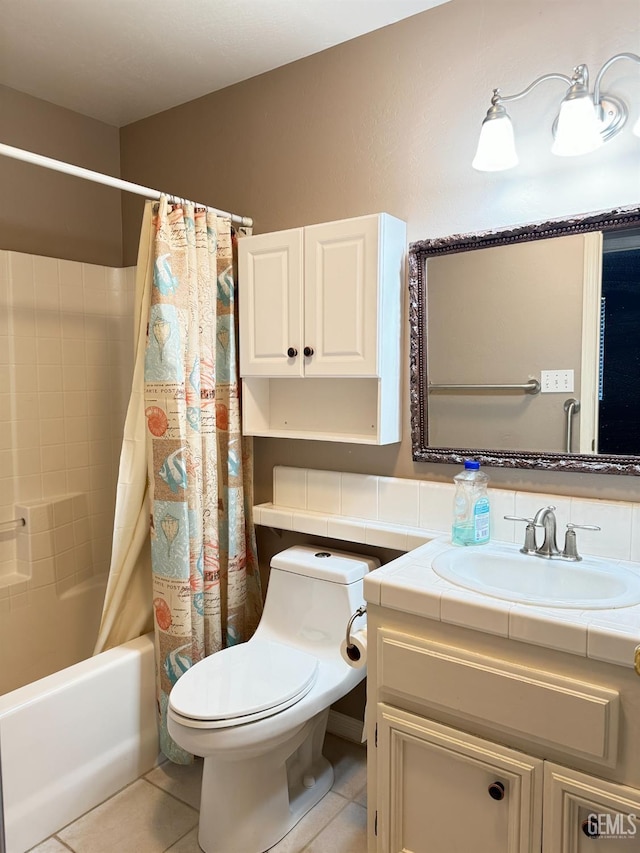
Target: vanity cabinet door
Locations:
point(441, 790)
point(583, 814)
point(270, 304)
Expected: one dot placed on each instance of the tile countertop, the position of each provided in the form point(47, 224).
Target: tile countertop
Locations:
point(409, 584)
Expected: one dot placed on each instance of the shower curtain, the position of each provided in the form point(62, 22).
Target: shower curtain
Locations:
point(206, 584)
point(127, 611)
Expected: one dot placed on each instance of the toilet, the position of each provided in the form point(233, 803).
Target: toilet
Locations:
point(257, 712)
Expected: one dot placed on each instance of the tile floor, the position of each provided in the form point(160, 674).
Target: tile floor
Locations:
point(159, 812)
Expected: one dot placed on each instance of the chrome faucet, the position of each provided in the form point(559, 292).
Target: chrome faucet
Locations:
point(546, 519)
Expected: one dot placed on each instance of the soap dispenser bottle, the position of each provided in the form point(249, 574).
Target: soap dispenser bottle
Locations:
point(470, 506)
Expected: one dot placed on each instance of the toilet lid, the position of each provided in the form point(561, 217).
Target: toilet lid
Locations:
point(248, 680)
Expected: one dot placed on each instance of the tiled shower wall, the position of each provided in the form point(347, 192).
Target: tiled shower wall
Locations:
point(65, 375)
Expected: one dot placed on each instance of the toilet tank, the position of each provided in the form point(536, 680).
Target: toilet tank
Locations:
point(312, 592)
point(326, 564)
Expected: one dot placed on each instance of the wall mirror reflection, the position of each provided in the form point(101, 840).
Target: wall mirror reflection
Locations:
point(525, 345)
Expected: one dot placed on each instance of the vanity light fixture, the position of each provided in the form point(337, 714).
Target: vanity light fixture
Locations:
point(585, 120)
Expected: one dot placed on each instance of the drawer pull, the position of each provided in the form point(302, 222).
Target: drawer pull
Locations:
point(590, 827)
point(496, 790)
point(292, 352)
point(308, 351)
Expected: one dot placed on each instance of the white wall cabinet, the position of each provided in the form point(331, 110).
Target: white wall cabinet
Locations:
point(270, 274)
point(320, 330)
point(470, 751)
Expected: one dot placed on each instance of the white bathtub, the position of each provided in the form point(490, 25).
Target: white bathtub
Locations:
point(72, 739)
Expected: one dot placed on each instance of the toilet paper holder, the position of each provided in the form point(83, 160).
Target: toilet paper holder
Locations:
point(350, 648)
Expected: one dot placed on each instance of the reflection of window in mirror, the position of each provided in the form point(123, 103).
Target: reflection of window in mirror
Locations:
point(619, 392)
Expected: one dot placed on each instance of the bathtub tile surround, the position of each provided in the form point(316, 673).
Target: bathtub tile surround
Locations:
point(365, 508)
point(65, 371)
point(65, 364)
point(159, 812)
point(54, 546)
point(52, 591)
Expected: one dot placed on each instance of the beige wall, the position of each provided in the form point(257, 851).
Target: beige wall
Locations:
point(47, 213)
point(384, 122)
point(389, 122)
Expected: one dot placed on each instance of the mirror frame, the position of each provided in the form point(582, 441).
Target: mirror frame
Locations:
point(419, 251)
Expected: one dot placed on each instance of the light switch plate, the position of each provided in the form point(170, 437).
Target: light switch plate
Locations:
point(556, 381)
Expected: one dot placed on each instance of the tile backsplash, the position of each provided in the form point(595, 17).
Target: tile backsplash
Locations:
point(365, 501)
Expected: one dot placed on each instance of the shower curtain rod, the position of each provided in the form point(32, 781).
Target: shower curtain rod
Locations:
point(107, 180)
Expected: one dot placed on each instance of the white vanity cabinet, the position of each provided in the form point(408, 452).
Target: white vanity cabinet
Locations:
point(580, 810)
point(446, 791)
point(320, 330)
point(478, 744)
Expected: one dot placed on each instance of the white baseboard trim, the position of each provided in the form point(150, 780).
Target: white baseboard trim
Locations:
point(345, 727)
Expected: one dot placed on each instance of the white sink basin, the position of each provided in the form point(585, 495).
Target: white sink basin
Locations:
point(502, 571)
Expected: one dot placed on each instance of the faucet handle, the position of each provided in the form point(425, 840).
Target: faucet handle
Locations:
point(570, 551)
point(530, 544)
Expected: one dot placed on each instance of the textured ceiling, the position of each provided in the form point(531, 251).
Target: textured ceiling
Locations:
point(123, 60)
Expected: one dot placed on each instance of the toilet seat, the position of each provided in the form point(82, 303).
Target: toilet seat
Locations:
point(243, 683)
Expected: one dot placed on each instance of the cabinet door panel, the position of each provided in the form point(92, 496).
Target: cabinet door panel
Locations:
point(434, 790)
point(341, 293)
point(572, 798)
point(270, 304)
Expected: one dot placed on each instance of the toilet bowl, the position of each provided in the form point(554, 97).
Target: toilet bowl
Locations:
point(257, 712)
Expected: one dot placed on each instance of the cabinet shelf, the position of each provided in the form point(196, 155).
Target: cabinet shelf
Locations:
point(348, 410)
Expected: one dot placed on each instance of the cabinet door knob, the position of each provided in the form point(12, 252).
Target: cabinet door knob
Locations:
point(496, 790)
point(292, 352)
point(590, 827)
point(308, 351)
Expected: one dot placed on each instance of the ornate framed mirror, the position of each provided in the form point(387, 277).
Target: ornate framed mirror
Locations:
point(525, 345)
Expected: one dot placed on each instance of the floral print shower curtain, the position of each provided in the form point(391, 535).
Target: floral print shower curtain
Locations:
point(206, 584)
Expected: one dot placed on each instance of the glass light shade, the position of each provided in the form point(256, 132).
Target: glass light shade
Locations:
point(496, 146)
point(578, 131)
